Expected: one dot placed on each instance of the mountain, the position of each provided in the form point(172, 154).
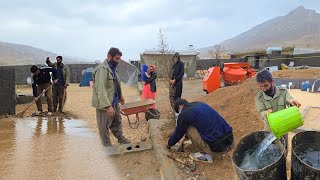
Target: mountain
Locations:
point(17, 54)
point(299, 28)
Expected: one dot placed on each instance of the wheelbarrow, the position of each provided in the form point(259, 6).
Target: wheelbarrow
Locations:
point(136, 108)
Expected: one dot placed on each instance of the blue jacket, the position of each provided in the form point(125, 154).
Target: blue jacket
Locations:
point(209, 123)
point(144, 69)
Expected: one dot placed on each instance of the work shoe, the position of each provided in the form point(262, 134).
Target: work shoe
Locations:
point(38, 113)
point(107, 144)
point(206, 158)
point(123, 140)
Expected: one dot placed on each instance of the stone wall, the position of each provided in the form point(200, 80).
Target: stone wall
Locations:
point(7, 90)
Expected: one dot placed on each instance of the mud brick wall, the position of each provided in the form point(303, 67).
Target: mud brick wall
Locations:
point(7, 90)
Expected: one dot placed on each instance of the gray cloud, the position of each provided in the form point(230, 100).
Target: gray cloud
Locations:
point(88, 28)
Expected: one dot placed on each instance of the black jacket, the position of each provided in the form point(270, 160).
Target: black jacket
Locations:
point(152, 81)
point(178, 71)
point(43, 77)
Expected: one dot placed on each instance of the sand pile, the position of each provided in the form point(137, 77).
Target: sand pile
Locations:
point(298, 73)
point(237, 105)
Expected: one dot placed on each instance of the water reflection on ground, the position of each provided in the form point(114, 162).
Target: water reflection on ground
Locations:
point(53, 147)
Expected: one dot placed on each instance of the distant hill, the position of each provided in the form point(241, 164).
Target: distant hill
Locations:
point(17, 54)
point(299, 28)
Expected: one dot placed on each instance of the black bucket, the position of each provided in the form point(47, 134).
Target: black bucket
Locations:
point(274, 171)
point(152, 114)
point(299, 168)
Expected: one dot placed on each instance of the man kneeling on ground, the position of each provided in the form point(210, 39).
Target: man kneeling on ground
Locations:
point(207, 130)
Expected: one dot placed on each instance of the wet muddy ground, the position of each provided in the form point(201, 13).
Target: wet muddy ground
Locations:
point(54, 148)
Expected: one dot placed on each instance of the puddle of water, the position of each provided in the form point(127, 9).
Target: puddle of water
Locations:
point(45, 148)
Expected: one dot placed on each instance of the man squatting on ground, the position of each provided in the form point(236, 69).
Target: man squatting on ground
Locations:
point(63, 75)
point(207, 130)
point(42, 81)
point(106, 97)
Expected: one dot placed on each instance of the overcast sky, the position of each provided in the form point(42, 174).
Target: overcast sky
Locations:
point(88, 28)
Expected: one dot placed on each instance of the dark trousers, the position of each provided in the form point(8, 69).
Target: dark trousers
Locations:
point(175, 92)
point(58, 97)
point(48, 94)
point(178, 90)
point(106, 123)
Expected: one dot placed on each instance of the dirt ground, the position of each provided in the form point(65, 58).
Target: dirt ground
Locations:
point(234, 103)
point(141, 165)
point(298, 73)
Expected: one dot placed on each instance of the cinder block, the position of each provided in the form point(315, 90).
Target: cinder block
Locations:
point(127, 148)
point(5, 83)
point(4, 100)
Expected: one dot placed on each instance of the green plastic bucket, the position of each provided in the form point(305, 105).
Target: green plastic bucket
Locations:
point(284, 121)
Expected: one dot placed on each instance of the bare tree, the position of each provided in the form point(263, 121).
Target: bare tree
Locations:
point(165, 63)
point(215, 52)
point(165, 66)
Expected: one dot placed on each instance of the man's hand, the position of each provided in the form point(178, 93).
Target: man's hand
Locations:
point(35, 98)
point(294, 103)
point(65, 86)
point(122, 101)
point(55, 81)
point(268, 111)
point(110, 111)
point(173, 81)
point(168, 147)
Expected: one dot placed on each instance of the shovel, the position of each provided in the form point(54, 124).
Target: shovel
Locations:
point(22, 112)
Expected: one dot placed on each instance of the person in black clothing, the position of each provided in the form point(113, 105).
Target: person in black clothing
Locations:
point(176, 78)
point(42, 81)
point(206, 128)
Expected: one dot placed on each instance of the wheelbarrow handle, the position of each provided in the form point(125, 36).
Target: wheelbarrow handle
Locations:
point(136, 123)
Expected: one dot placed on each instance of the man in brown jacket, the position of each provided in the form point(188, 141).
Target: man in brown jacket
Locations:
point(59, 89)
point(106, 97)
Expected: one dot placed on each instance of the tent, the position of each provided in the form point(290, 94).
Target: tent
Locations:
point(86, 77)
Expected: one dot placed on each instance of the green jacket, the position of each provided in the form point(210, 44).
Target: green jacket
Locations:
point(103, 90)
point(278, 102)
point(66, 71)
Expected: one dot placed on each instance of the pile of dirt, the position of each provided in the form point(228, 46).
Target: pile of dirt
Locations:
point(236, 104)
point(298, 74)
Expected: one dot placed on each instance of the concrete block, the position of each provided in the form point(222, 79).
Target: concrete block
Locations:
point(5, 83)
point(4, 100)
point(168, 169)
point(127, 148)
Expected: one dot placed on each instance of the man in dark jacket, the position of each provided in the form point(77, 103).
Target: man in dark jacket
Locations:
point(42, 81)
point(176, 78)
point(208, 131)
point(59, 89)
